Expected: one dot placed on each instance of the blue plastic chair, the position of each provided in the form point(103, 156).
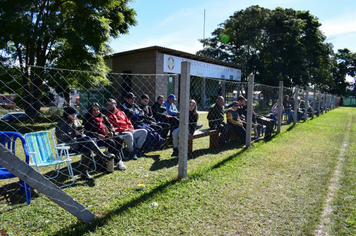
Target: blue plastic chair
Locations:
point(41, 149)
point(8, 140)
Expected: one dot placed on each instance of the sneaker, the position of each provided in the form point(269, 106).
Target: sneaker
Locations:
point(139, 153)
point(133, 156)
point(121, 165)
point(198, 127)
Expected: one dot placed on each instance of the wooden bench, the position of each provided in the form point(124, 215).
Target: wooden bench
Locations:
point(214, 138)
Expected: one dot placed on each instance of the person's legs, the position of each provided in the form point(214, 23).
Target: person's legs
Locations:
point(86, 145)
point(85, 165)
point(175, 141)
point(128, 139)
point(162, 128)
point(111, 145)
point(140, 136)
point(224, 133)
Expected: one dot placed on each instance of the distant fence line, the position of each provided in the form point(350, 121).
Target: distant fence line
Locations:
point(58, 88)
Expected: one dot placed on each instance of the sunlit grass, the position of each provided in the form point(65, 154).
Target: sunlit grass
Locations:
point(276, 187)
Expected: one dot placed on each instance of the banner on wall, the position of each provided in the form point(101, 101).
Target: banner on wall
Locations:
point(172, 64)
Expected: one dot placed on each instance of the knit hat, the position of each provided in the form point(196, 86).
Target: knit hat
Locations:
point(69, 111)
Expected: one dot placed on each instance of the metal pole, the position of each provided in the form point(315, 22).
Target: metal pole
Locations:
point(183, 120)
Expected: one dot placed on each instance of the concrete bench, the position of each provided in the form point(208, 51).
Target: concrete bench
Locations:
point(214, 138)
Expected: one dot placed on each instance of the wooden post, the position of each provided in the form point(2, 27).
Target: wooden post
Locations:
point(184, 120)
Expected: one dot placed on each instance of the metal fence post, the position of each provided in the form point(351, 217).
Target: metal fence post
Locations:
point(183, 120)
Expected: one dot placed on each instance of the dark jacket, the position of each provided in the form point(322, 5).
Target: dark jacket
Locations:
point(148, 118)
point(159, 112)
point(215, 115)
point(134, 113)
point(91, 128)
point(65, 132)
point(193, 119)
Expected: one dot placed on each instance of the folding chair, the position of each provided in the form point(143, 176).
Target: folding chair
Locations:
point(8, 140)
point(41, 145)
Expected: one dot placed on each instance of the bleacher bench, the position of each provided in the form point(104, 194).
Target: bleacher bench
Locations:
point(214, 138)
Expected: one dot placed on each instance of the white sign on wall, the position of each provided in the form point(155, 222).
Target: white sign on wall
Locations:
point(172, 64)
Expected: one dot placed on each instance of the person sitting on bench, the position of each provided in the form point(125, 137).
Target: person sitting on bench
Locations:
point(193, 119)
point(216, 116)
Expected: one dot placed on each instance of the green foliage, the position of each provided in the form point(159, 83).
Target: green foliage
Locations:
point(64, 34)
point(280, 44)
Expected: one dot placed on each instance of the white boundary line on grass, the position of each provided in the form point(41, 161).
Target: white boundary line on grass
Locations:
point(324, 227)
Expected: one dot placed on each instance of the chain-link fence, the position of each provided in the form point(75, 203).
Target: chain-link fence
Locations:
point(33, 102)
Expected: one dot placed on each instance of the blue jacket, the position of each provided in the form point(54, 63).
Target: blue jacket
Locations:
point(171, 108)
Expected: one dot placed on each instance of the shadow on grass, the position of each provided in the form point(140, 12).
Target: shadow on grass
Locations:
point(81, 228)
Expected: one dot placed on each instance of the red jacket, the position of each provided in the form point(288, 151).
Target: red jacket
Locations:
point(119, 120)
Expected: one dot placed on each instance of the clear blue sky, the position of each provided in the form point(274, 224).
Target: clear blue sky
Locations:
point(179, 24)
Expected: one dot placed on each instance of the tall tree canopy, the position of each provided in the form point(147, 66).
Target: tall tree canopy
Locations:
point(280, 44)
point(343, 63)
point(63, 33)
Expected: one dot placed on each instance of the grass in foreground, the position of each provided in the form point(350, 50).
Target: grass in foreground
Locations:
point(276, 187)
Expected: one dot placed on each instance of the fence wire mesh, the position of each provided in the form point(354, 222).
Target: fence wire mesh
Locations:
point(34, 101)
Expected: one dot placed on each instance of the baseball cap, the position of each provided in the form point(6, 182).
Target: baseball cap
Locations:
point(234, 104)
point(130, 95)
point(172, 96)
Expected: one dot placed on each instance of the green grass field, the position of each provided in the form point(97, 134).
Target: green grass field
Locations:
point(276, 187)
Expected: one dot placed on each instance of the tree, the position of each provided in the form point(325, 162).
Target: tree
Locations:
point(280, 44)
point(343, 63)
point(60, 33)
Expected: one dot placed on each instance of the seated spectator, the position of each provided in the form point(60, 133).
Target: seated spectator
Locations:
point(262, 120)
point(193, 119)
point(288, 109)
point(154, 141)
point(242, 109)
point(133, 138)
point(161, 127)
point(98, 126)
point(255, 125)
point(274, 110)
point(70, 131)
point(235, 123)
point(161, 115)
point(170, 106)
point(216, 120)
